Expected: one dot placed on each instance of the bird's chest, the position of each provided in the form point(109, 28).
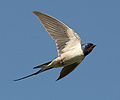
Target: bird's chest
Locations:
point(72, 56)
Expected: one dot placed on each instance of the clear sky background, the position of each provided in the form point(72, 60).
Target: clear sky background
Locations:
point(24, 43)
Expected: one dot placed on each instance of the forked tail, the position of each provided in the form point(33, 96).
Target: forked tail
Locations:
point(43, 68)
point(43, 65)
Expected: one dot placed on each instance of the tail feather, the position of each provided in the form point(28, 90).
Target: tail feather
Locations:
point(43, 65)
point(28, 75)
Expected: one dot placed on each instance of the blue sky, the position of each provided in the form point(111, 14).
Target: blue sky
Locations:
point(24, 43)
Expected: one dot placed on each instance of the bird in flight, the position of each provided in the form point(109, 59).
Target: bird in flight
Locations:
point(70, 51)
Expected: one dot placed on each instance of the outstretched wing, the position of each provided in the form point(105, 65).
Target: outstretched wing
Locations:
point(64, 36)
point(67, 69)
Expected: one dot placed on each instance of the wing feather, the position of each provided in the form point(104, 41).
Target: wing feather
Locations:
point(67, 69)
point(64, 36)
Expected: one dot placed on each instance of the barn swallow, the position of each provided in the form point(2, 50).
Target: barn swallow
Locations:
point(70, 51)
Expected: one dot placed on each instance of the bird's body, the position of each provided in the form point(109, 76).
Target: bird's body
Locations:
point(70, 50)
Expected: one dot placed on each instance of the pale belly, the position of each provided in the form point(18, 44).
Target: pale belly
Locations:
point(67, 58)
point(72, 57)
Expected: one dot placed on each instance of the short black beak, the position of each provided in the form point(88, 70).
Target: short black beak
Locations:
point(94, 46)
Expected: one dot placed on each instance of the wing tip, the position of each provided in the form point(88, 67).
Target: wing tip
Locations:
point(34, 11)
point(37, 12)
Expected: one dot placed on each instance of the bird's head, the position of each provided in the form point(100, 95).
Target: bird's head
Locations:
point(87, 48)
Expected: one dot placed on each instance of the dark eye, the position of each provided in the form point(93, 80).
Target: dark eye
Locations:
point(90, 45)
